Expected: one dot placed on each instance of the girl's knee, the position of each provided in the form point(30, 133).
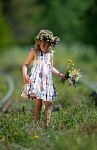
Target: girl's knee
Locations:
point(48, 105)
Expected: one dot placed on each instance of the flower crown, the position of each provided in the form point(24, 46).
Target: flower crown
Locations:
point(48, 36)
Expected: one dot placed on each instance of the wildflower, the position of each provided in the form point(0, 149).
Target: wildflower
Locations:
point(72, 74)
point(69, 60)
point(35, 137)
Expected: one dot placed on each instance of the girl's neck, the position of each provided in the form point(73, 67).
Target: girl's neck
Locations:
point(39, 50)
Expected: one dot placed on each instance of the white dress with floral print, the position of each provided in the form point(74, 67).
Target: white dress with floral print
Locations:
point(41, 85)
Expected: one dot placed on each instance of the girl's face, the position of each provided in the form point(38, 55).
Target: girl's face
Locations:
point(45, 46)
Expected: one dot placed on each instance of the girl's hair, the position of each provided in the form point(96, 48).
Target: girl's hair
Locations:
point(48, 36)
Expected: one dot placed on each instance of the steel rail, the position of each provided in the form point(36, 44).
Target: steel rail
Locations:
point(6, 101)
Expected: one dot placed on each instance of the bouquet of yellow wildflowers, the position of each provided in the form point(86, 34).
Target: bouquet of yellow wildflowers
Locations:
point(72, 74)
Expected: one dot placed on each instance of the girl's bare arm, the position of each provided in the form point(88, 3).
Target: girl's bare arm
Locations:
point(28, 60)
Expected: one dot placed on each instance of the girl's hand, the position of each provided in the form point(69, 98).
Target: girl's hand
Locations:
point(62, 76)
point(26, 79)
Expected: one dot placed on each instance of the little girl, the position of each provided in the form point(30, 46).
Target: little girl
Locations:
point(39, 85)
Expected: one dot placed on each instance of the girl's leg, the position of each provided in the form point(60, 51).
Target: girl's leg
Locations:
point(48, 109)
point(37, 110)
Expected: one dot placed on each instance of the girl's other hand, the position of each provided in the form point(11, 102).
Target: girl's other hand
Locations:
point(63, 76)
point(26, 79)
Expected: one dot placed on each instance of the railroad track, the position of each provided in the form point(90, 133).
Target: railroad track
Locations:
point(93, 87)
point(6, 101)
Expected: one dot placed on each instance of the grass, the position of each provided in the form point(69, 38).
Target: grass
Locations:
point(74, 125)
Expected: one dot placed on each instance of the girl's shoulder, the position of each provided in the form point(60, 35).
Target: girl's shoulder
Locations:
point(32, 53)
point(52, 53)
point(33, 50)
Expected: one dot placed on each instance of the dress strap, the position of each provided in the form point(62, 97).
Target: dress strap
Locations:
point(41, 53)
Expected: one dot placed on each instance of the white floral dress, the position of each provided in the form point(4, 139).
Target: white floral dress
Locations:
point(41, 85)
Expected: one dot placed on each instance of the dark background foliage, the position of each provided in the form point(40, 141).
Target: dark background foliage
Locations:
point(20, 20)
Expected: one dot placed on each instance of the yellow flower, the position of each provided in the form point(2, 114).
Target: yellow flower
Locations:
point(69, 60)
point(75, 71)
point(35, 137)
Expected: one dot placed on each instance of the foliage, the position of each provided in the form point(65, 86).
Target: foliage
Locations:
point(25, 20)
point(90, 34)
point(5, 31)
point(71, 20)
point(66, 18)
